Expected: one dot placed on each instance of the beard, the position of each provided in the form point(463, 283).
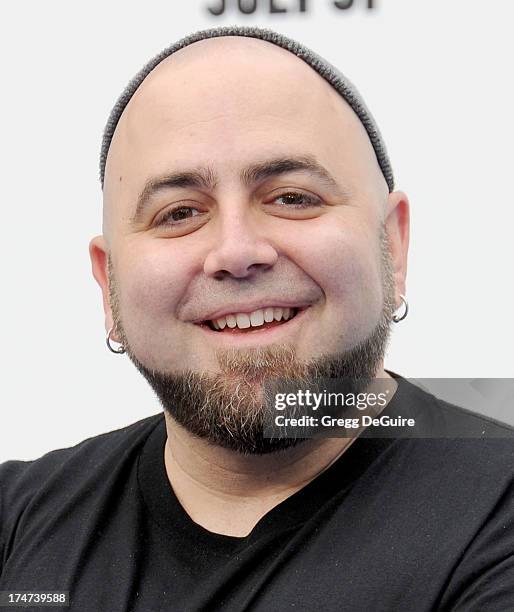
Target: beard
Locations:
point(231, 408)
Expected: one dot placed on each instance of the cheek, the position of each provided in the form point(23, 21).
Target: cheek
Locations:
point(344, 260)
point(152, 283)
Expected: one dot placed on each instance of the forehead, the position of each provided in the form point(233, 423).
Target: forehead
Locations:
point(226, 103)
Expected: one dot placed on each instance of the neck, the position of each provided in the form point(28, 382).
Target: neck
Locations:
point(227, 492)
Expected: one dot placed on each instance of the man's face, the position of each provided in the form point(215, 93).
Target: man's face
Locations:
point(262, 196)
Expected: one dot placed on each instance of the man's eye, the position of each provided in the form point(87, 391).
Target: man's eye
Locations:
point(295, 199)
point(177, 215)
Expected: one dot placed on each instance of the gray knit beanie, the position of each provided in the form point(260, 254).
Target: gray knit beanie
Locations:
point(335, 78)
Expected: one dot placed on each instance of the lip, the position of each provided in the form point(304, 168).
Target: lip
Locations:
point(251, 307)
point(259, 334)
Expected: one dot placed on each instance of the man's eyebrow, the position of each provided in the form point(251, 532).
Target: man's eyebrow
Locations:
point(205, 178)
point(200, 179)
point(283, 165)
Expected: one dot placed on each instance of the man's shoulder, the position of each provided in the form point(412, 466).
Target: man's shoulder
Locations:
point(19, 479)
point(439, 418)
point(454, 437)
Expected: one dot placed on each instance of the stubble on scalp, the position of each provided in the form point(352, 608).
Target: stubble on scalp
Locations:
point(230, 408)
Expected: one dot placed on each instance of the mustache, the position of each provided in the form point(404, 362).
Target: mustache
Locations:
point(207, 295)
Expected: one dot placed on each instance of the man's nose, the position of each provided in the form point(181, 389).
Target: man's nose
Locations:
point(240, 248)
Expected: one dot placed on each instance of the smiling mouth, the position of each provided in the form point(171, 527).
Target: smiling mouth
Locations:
point(259, 320)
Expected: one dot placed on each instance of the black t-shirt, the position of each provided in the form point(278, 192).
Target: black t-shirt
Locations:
point(392, 525)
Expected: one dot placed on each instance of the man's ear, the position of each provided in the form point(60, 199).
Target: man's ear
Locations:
point(397, 226)
point(98, 251)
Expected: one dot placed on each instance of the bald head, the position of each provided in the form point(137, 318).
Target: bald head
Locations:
point(336, 79)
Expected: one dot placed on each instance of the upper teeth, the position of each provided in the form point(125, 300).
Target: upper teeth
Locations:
point(244, 320)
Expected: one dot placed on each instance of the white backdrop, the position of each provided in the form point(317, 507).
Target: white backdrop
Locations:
point(437, 75)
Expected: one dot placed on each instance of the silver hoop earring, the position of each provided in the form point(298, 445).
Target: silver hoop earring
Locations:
point(397, 318)
point(120, 350)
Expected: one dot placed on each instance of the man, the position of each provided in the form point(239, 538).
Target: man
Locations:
point(252, 233)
